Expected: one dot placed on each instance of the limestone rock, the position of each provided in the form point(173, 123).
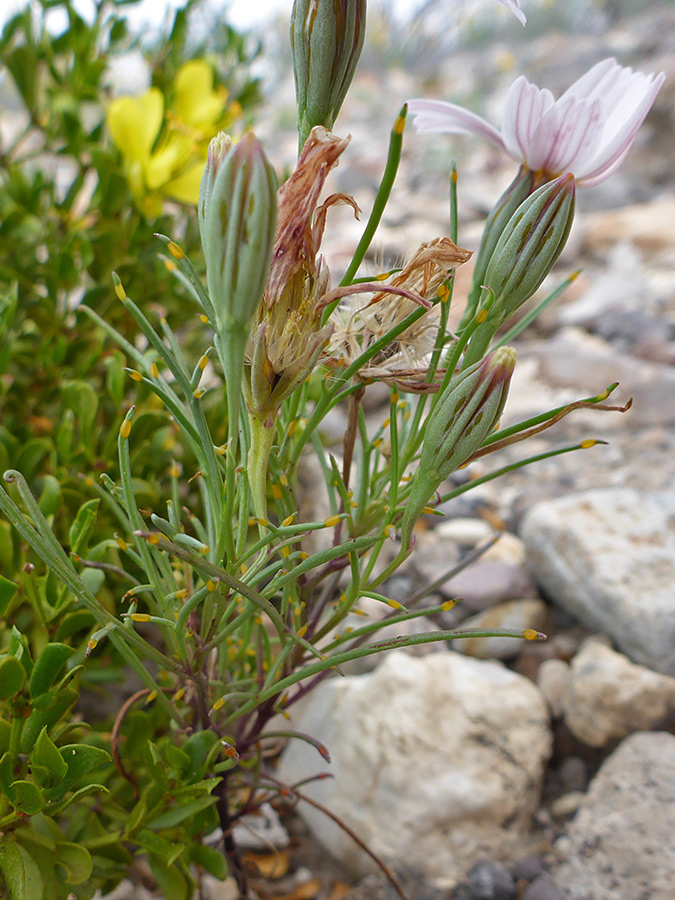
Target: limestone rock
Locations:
point(608, 556)
point(609, 697)
point(621, 842)
point(436, 760)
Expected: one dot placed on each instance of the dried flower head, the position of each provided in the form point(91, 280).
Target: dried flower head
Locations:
point(288, 336)
point(359, 326)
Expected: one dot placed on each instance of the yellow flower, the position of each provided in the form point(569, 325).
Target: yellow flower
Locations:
point(164, 146)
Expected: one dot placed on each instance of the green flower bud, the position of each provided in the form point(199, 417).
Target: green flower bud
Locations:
point(326, 42)
point(531, 243)
point(516, 193)
point(527, 250)
point(237, 222)
point(461, 420)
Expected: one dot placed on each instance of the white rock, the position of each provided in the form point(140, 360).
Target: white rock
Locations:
point(436, 760)
point(553, 678)
point(464, 530)
point(621, 842)
point(609, 697)
point(516, 614)
point(608, 556)
point(508, 549)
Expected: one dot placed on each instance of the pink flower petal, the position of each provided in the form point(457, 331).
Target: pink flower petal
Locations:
point(514, 6)
point(524, 108)
point(438, 117)
point(596, 81)
point(616, 143)
point(567, 137)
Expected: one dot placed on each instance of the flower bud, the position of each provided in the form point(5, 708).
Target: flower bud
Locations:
point(237, 221)
point(516, 193)
point(531, 243)
point(464, 416)
point(527, 250)
point(326, 42)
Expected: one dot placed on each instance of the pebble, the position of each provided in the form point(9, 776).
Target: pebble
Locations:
point(465, 531)
point(608, 696)
point(621, 840)
point(608, 556)
point(487, 583)
point(478, 734)
point(528, 868)
point(553, 679)
point(543, 888)
point(566, 806)
point(490, 880)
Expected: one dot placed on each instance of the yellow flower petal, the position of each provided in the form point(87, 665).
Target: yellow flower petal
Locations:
point(134, 123)
point(195, 102)
point(185, 188)
point(174, 154)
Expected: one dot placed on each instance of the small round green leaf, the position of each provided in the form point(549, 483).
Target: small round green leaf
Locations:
point(12, 677)
point(76, 860)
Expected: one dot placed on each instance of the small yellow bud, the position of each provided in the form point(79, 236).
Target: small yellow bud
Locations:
point(394, 604)
point(203, 360)
point(399, 125)
point(288, 521)
point(589, 442)
point(154, 371)
point(285, 552)
point(125, 429)
point(211, 585)
point(134, 375)
point(303, 555)
point(331, 521)
point(121, 543)
point(276, 492)
point(180, 693)
point(220, 702)
point(243, 569)
point(199, 393)
point(153, 538)
point(205, 319)
point(448, 605)
point(175, 250)
point(140, 617)
point(151, 696)
point(302, 631)
point(119, 290)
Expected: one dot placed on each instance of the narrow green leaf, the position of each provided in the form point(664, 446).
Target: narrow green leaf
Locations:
point(81, 527)
point(48, 666)
point(80, 759)
point(7, 591)
point(179, 813)
point(170, 879)
point(45, 753)
point(210, 859)
point(168, 851)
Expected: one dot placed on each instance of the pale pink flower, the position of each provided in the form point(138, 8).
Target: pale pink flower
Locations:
point(514, 6)
point(587, 132)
